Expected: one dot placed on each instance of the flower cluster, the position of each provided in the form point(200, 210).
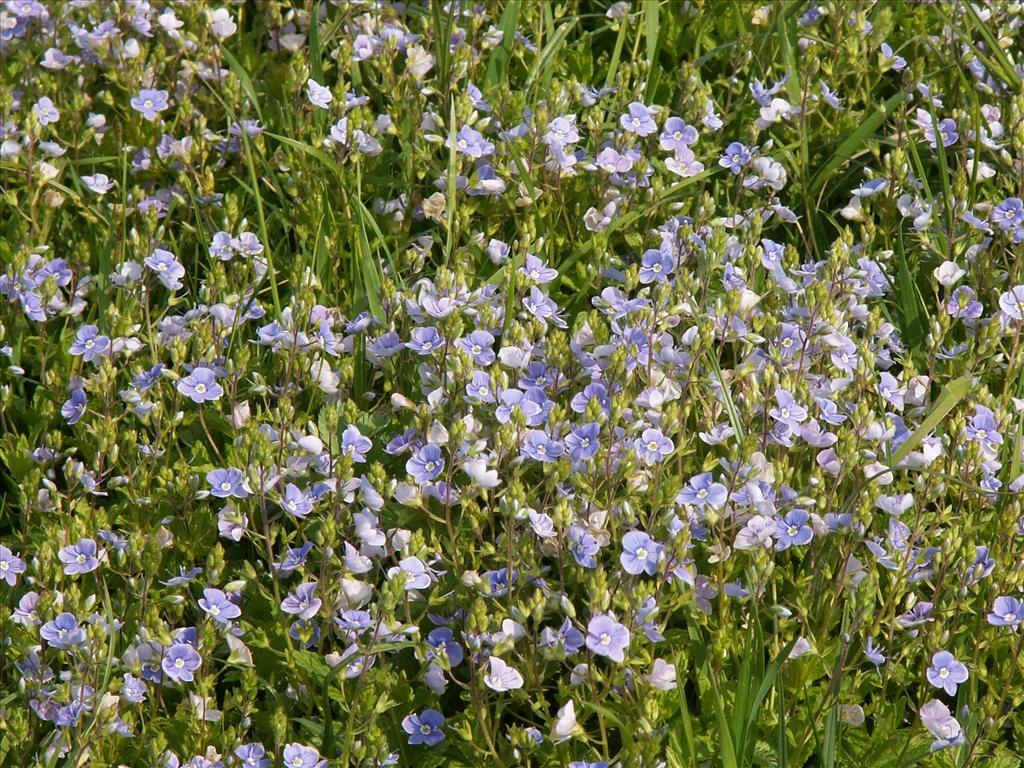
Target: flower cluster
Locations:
point(381, 391)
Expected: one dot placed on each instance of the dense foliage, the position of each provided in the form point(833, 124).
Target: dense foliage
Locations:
point(519, 383)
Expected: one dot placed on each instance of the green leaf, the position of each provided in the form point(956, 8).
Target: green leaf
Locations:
point(652, 31)
point(1005, 67)
point(914, 327)
point(726, 748)
point(852, 144)
point(954, 392)
point(244, 80)
point(316, 66)
point(730, 405)
point(830, 745)
point(766, 684)
point(497, 64)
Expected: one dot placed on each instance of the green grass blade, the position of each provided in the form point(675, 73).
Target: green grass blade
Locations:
point(264, 234)
point(726, 748)
point(244, 80)
point(781, 732)
point(497, 65)
point(316, 67)
point(613, 67)
point(543, 65)
point(730, 405)
point(830, 744)
point(686, 736)
point(1006, 69)
point(450, 188)
point(652, 32)
point(854, 142)
point(914, 327)
point(767, 683)
point(367, 268)
point(954, 392)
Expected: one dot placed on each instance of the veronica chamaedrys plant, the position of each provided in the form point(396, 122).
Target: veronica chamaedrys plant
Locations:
point(511, 384)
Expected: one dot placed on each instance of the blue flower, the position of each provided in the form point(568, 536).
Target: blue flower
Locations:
point(1009, 214)
point(296, 502)
point(652, 446)
point(45, 112)
point(150, 103)
point(962, 303)
point(655, 266)
point(354, 444)
point(89, 344)
point(318, 95)
point(63, 632)
point(703, 491)
point(640, 553)
point(82, 557)
point(200, 385)
point(478, 344)
point(607, 637)
point(10, 566)
point(983, 429)
point(253, 756)
point(424, 728)
point(217, 605)
point(167, 267)
point(501, 677)
point(469, 141)
point(425, 340)
point(180, 661)
point(789, 411)
point(225, 483)
point(676, 135)
point(294, 559)
point(583, 547)
point(793, 530)
point(736, 156)
point(301, 756)
point(537, 270)
point(583, 442)
point(946, 672)
point(1012, 303)
point(426, 464)
point(302, 602)
point(539, 446)
point(639, 119)
point(1006, 612)
point(133, 689)
point(480, 388)
point(442, 641)
point(74, 407)
point(567, 637)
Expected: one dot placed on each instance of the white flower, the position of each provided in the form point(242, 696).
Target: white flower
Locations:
point(777, 111)
point(99, 183)
point(598, 221)
point(502, 677)
point(481, 475)
point(800, 647)
point(418, 61)
point(941, 724)
point(565, 723)
point(756, 533)
point(948, 273)
point(618, 10)
point(662, 676)
point(221, 23)
point(170, 23)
